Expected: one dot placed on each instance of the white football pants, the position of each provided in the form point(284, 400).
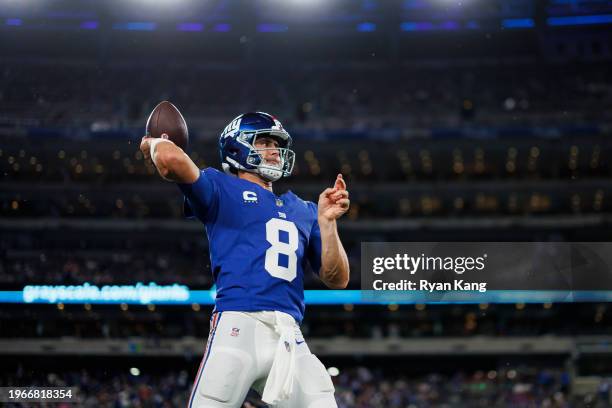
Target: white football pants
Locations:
point(239, 355)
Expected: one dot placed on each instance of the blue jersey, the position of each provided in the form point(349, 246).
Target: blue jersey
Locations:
point(259, 242)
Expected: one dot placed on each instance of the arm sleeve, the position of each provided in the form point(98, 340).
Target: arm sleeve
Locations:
point(200, 197)
point(314, 243)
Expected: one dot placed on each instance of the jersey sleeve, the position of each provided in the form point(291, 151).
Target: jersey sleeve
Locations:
point(200, 197)
point(313, 252)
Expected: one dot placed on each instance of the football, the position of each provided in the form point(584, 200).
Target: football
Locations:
point(166, 118)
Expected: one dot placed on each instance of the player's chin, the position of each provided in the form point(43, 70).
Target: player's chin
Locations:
point(273, 163)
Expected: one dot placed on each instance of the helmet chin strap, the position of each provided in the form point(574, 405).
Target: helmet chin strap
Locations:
point(270, 171)
point(270, 174)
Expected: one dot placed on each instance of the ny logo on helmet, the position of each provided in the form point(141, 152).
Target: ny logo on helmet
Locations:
point(229, 129)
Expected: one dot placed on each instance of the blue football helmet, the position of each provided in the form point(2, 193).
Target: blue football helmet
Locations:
point(237, 146)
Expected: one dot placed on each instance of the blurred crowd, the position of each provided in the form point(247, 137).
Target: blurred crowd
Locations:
point(374, 95)
point(392, 322)
point(522, 386)
point(117, 161)
point(379, 202)
point(106, 268)
point(96, 387)
point(119, 258)
point(363, 387)
point(421, 178)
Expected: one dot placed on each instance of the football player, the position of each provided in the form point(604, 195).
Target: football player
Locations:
point(259, 244)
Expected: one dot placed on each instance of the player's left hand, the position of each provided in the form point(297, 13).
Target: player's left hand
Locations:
point(334, 202)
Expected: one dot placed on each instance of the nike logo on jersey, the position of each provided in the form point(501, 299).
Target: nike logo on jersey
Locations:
point(299, 342)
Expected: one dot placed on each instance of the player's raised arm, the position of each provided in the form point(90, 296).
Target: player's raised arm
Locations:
point(172, 163)
point(333, 203)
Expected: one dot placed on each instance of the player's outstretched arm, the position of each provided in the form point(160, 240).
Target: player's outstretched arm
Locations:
point(333, 203)
point(171, 161)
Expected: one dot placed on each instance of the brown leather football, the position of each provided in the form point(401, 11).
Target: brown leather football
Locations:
point(167, 119)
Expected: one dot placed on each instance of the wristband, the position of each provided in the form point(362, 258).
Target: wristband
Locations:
point(153, 146)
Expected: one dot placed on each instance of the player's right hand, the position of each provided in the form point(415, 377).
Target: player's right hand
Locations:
point(333, 202)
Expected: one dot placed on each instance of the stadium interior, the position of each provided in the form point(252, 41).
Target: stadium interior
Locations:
point(450, 120)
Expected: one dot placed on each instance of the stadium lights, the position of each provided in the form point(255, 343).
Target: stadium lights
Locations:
point(13, 22)
point(306, 3)
point(366, 27)
point(158, 4)
point(15, 3)
point(136, 26)
point(222, 27)
point(90, 25)
point(272, 28)
point(288, 7)
point(580, 20)
point(192, 27)
point(518, 23)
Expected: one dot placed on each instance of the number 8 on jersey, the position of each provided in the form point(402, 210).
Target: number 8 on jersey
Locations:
point(272, 265)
